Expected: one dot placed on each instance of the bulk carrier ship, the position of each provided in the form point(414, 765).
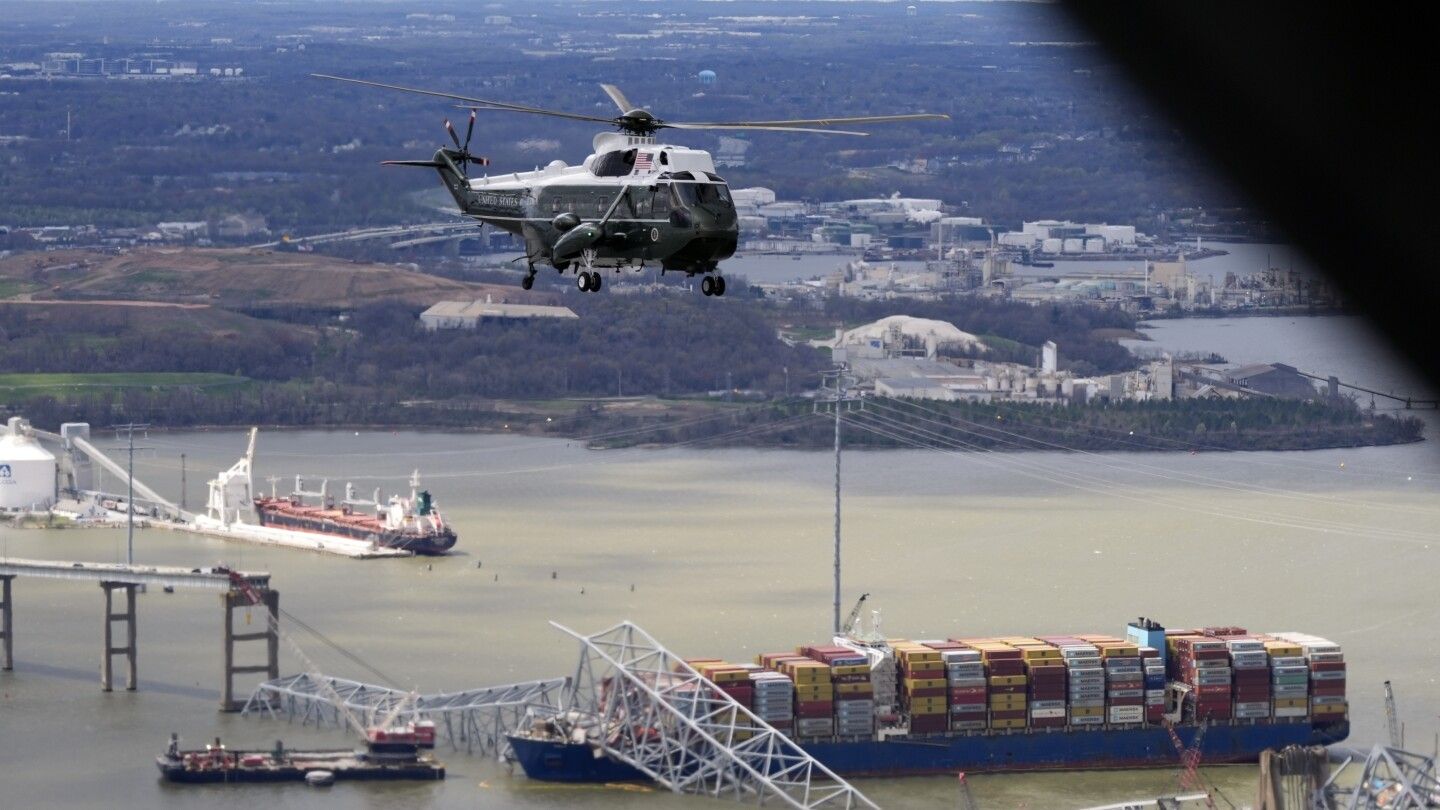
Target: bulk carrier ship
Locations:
point(866, 706)
point(411, 524)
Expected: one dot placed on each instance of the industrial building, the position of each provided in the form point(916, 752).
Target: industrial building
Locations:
point(1063, 236)
point(469, 314)
point(27, 470)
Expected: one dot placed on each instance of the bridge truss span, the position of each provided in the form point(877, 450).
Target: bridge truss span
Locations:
point(474, 721)
point(651, 710)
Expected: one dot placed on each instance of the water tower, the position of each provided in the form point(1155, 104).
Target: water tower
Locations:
point(707, 77)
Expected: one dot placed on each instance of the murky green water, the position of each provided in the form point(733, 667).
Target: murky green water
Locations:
point(728, 553)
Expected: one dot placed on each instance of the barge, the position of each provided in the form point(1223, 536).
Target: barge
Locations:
point(389, 754)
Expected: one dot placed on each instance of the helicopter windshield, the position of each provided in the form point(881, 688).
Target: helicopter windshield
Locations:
point(614, 164)
point(691, 194)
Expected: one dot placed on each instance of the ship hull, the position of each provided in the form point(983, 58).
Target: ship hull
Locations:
point(1060, 750)
point(426, 545)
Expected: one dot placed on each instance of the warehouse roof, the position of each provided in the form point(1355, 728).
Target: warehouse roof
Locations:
point(476, 310)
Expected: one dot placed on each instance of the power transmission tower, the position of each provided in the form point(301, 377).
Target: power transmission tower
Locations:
point(838, 398)
point(129, 430)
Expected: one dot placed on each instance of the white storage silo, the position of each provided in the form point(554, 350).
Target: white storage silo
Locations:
point(27, 470)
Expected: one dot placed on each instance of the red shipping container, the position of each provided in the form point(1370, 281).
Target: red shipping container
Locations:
point(1008, 714)
point(1327, 688)
point(1006, 666)
point(1327, 666)
point(925, 674)
point(814, 708)
point(967, 691)
point(927, 691)
point(929, 723)
point(1047, 722)
point(1119, 701)
point(1017, 689)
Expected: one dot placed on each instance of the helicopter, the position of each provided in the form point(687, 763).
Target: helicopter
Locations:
point(634, 200)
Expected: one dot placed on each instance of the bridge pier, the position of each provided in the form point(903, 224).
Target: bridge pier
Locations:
point(7, 631)
point(106, 661)
point(270, 604)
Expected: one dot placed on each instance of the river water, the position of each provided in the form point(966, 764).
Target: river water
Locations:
point(727, 554)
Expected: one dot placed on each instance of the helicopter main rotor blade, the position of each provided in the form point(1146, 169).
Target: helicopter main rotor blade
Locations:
point(812, 122)
point(618, 97)
point(471, 102)
point(663, 125)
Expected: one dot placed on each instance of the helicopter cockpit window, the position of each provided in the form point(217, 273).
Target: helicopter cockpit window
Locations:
point(691, 193)
point(614, 164)
point(664, 158)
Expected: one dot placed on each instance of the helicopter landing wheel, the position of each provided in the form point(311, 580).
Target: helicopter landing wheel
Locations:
point(719, 285)
point(582, 280)
point(527, 282)
point(707, 285)
point(596, 282)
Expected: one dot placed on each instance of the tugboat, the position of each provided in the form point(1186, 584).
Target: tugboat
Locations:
point(413, 524)
point(397, 752)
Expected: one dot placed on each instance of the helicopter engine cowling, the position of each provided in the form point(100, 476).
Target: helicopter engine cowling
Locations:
point(577, 240)
point(565, 222)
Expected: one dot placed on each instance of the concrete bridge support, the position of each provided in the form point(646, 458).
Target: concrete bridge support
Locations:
point(7, 638)
point(270, 618)
point(128, 617)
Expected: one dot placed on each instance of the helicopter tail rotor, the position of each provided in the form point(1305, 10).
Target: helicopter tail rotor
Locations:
point(463, 155)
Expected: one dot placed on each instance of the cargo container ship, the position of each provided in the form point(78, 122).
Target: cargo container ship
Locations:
point(897, 707)
point(411, 524)
point(389, 753)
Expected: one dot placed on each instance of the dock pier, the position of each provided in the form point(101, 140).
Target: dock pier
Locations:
point(135, 579)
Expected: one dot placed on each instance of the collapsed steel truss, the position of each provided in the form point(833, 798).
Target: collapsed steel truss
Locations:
point(1393, 778)
point(475, 721)
point(651, 710)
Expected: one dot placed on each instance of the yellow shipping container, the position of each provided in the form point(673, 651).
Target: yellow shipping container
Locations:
point(911, 684)
point(1291, 703)
point(1087, 711)
point(1282, 648)
point(814, 688)
point(1039, 654)
point(854, 688)
point(1018, 722)
point(1118, 650)
point(1007, 702)
point(1008, 680)
point(1329, 708)
point(851, 669)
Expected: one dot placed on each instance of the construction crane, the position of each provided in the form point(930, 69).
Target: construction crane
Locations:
point(1190, 760)
point(851, 627)
point(252, 595)
point(852, 621)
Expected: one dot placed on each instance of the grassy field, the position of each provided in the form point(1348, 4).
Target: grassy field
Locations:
point(22, 386)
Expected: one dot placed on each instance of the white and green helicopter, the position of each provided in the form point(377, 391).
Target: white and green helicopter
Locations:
point(632, 202)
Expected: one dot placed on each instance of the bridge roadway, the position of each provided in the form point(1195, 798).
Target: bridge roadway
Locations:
point(362, 234)
point(205, 579)
point(129, 579)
